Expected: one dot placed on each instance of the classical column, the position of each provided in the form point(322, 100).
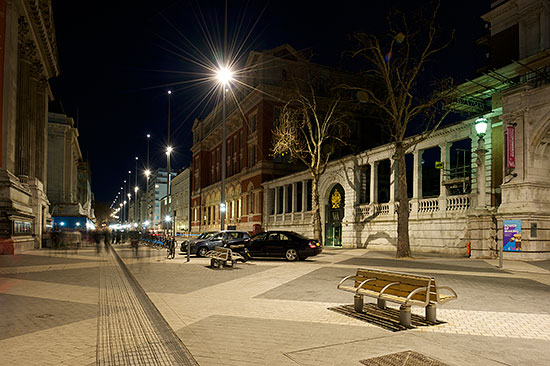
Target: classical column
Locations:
point(374, 182)
point(27, 52)
point(417, 180)
point(445, 159)
point(481, 183)
point(304, 196)
point(285, 200)
point(276, 203)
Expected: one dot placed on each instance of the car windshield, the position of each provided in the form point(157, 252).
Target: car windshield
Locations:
point(205, 235)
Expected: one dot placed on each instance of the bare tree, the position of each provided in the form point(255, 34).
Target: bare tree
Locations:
point(397, 63)
point(310, 128)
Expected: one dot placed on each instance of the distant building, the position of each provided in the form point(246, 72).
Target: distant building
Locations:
point(181, 197)
point(28, 59)
point(69, 186)
point(156, 189)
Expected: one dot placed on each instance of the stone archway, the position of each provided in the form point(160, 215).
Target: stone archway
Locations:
point(334, 214)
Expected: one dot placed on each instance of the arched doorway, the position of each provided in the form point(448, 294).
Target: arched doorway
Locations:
point(334, 214)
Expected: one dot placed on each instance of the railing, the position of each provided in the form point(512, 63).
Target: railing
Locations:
point(458, 203)
point(382, 208)
point(428, 205)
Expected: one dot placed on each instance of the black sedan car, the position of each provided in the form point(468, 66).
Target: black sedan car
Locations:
point(286, 244)
point(230, 237)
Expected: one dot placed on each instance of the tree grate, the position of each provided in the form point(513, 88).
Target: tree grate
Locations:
point(385, 318)
point(406, 358)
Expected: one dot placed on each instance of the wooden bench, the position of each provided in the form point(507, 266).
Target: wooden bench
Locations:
point(403, 288)
point(220, 256)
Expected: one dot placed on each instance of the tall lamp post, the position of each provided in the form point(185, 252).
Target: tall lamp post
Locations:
point(136, 210)
point(123, 198)
point(168, 151)
point(224, 76)
point(129, 194)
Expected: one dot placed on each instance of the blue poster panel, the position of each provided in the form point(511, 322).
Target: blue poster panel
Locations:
point(511, 235)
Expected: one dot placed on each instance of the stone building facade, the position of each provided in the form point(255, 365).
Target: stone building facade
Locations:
point(483, 181)
point(69, 176)
point(28, 59)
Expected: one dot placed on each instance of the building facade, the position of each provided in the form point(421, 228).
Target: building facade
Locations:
point(157, 187)
point(271, 78)
point(466, 189)
point(181, 198)
point(69, 176)
point(28, 59)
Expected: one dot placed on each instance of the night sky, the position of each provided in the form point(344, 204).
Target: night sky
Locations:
point(118, 60)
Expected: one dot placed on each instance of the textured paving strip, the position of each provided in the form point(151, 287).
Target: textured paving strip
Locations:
point(131, 331)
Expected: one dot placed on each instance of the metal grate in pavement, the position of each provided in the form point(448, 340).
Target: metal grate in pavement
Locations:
point(131, 331)
point(385, 318)
point(407, 358)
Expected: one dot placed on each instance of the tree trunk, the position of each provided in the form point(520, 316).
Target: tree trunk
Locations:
point(403, 245)
point(317, 230)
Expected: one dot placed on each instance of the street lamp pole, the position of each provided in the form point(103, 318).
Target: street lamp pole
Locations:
point(136, 210)
point(129, 194)
point(222, 194)
point(168, 151)
point(123, 199)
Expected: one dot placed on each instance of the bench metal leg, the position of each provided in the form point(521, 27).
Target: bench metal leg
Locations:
point(431, 313)
point(381, 303)
point(405, 315)
point(358, 303)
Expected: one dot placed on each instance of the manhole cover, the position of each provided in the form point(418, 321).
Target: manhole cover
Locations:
point(44, 316)
point(407, 358)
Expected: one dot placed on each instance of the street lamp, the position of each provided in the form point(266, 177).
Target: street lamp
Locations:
point(224, 76)
point(136, 211)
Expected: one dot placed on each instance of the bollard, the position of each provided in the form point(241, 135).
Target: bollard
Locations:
point(358, 303)
point(405, 315)
point(381, 303)
point(188, 250)
point(431, 313)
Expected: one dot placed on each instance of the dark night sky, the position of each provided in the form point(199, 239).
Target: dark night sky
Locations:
point(117, 63)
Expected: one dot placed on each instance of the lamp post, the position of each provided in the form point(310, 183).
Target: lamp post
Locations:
point(136, 210)
point(168, 151)
point(129, 194)
point(224, 76)
point(122, 199)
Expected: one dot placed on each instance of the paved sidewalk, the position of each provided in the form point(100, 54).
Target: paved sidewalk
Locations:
point(264, 312)
point(271, 312)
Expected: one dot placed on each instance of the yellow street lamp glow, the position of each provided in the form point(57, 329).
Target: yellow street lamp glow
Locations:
point(168, 150)
point(224, 75)
point(147, 173)
point(136, 188)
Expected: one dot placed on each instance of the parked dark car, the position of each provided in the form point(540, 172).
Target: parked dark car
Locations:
point(201, 237)
point(286, 244)
point(231, 237)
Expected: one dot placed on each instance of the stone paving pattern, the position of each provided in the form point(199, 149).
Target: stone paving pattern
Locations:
point(270, 312)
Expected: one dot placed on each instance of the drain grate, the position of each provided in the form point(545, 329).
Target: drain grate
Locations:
point(407, 358)
point(385, 318)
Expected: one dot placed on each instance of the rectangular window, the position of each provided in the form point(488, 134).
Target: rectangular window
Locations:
point(280, 200)
point(251, 155)
point(289, 198)
point(253, 123)
point(299, 195)
point(276, 117)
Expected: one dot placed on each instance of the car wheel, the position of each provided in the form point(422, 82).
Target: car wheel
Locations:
point(201, 252)
point(291, 254)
